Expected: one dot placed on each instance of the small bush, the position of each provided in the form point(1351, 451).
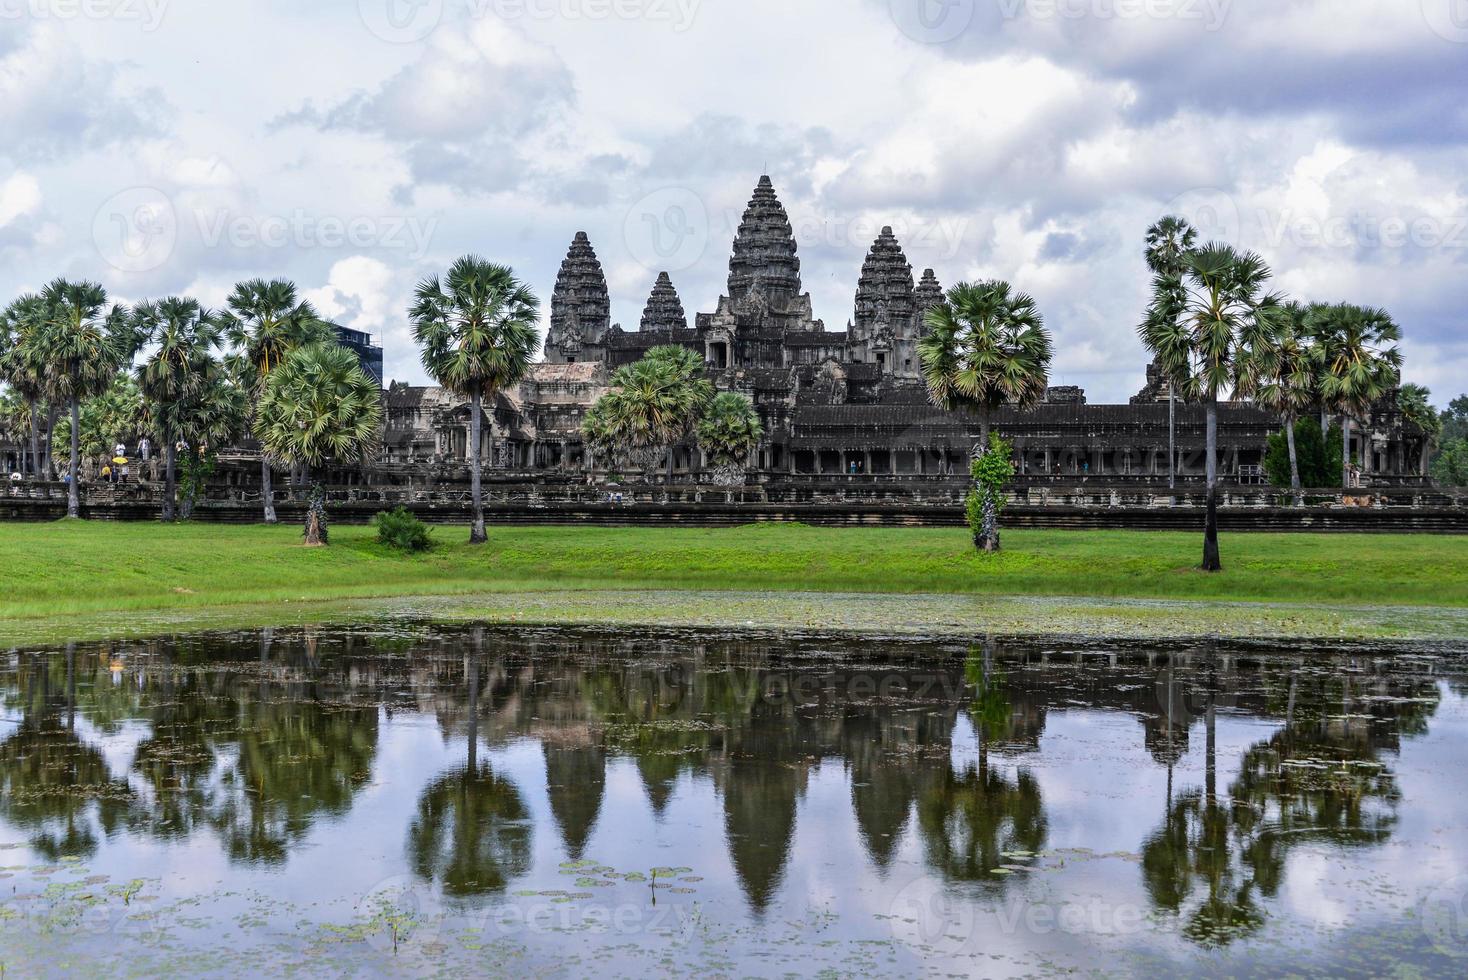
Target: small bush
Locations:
point(401, 530)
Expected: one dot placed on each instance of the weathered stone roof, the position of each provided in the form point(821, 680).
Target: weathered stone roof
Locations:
point(764, 262)
point(581, 308)
point(404, 396)
point(815, 338)
point(884, 294)
point(664, 310)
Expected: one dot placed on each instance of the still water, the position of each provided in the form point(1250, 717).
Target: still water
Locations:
point(418, 800)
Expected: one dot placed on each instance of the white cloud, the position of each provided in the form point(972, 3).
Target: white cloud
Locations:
point(20, 195)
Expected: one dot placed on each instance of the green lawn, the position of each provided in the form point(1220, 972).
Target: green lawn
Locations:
point(55, 574)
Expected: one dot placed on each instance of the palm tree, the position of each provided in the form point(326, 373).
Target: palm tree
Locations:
point(22, 366)
point(265, 324)
point(1201, 327)
point(1167, 242)
point(1359, 363)
point(653, 404)
point(178, 376)
point(1285, 378)
point(689, 367)
point(317, 405)
point(83, 343)
point(986, 346)
point(728, 433)
point(1416, 405)
point(477, 331)
point(599, 436)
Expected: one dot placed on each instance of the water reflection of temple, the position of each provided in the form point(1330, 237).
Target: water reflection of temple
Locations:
point(255, 739)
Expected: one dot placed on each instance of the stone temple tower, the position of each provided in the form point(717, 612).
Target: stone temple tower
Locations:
point(889, 310)
point(581, 308)
point(664, 310)
point(764, 264)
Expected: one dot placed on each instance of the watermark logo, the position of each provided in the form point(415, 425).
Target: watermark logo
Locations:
point(1447, 18)
point(1212, 211)
point(401, 21)
point(668, 230)
point(1212, 14)
point(399, 910)
point(146, 13)
point(925, 915)
point(679, 14)
point(932, 21)
point(301, 229)
point(135, 230)
point(1443, 914)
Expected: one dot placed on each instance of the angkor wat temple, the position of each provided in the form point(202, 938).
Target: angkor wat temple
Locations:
point(834, 402)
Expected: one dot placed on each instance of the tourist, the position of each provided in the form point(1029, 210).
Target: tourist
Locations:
point(145, 449)
point(106, 473)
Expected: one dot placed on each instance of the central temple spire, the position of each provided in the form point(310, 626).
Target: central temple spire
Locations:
point(764, 264)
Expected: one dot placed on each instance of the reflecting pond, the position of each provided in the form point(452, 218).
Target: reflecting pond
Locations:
point(419, 800)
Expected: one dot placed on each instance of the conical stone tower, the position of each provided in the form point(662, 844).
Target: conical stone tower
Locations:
point(581, 308)
point(664, 310)
point(928, 294)
point(764, 266)
point(884, 294)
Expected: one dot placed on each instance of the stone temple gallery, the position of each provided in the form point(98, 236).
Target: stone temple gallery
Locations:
point(834, 402)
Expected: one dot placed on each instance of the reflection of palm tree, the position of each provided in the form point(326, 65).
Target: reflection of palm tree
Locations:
point(472, 832)
point(1316, 780)
point(970, 819)
point(51, 781)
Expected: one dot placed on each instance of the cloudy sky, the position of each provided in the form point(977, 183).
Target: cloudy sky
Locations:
point(176, 146)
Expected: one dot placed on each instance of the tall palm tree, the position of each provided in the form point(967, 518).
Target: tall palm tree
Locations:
point(689, 367)
point(986, 346)
point(1168, 241)
point(317, 405)
point(651, 406)
point(1359, 363)
point(1201, 327)
point(477, 331)
point(728, 433)
point(22, 365)
point(1285, 378)
point(265, 324)
point(179, 376)
point(83, 343)
point(1415, 401)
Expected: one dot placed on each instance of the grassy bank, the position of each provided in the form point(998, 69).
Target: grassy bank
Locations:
point(56, 577)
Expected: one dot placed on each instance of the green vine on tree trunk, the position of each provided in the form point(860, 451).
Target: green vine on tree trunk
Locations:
point(992, 472)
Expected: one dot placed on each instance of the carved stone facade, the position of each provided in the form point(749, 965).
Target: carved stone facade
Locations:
point(846, 402)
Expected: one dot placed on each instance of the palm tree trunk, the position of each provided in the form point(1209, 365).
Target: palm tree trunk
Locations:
point(74, 490)
point(476, 533)
point(315, 536)
point(1345, 451)
point(1210, 526)
point(170, 458)
point(35, 470)
point(1171, 437)
point(988, 539)
point(1294, 459)
point(267, 489)
point(48, 466)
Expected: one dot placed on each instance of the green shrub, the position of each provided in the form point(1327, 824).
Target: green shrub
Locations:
point(399, 529)
point(1319, 459)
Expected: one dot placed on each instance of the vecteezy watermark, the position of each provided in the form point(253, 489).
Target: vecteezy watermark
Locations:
point(679, 14)
point(927, 915)
point(667, 230)
point(1443, 914)
point(401, 21)
point(302, 229)
point(135, 230)
point(933, 21)
point(1211, 14)
point(147, 13)
point(1447, 18)
point(1363, 231)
